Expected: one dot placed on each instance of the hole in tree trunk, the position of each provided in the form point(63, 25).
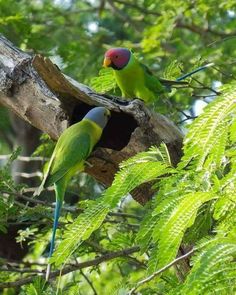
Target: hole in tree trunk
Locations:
point(116, 134)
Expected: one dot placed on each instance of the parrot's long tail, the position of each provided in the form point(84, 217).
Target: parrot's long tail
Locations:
point(55, 224)
point(181, 78)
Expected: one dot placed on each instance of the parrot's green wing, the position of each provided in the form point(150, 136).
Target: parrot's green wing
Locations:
point(156, 84)
point(69, 153)
point(152, 82)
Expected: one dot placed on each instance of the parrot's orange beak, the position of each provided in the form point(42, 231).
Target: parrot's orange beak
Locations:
point(106, 62)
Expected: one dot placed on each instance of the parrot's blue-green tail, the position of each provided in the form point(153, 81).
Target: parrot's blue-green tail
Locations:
point(55, 224)
point(181, 78)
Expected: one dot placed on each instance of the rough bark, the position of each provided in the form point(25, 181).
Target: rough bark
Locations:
point(35, 89)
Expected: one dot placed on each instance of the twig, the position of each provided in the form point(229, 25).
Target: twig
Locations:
point(33, 189)
point(156, 273)
point(123, 16)
point(29, 175)
point(124, 215)
point(186, 119)
point(138, 263)
point(27, 222)
point(89, 282)
point(24, 158)
point(198, 30)
point(72, 210)
point(135, 6)
point(71, 268)
point(39, 202)
point(96, 247)
point(202, 96)
point(223, 73)
point(132, 225)
point(21, 205)
point(206, 87)
point(16, 263)
point(19, 270)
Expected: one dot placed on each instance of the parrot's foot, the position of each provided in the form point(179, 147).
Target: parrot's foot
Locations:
point(88, 164)
point(48, 272)
point(116, 99)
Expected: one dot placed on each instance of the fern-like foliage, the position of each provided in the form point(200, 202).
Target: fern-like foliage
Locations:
point(194, 201)
point(7, 185)
point(37, 288)
point(173, 70)
point(207, 138)
point(104, 82)
point(199, 197)
point(213, 266)
point(174, 225)
point(80, 230)
point(134, 172)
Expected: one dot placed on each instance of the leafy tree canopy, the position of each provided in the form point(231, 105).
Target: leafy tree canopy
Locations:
point(192, 213)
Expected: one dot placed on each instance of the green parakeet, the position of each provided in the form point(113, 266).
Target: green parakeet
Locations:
point(72, 149)
point(135, 80)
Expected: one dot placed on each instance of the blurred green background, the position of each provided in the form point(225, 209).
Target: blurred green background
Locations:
point(171, 37)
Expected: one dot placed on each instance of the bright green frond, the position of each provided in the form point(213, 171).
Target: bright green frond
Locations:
point(79, 231)
point(135, 173)
point(105, 82)
point(171, 231)
point(214, 267)
point(208, 134)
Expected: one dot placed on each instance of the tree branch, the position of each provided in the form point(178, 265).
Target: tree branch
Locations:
point(139, 8)
point(89, 282)
point(24, 158)
point(71, 268)
point(201, 31)
point(66, 208)
point(156, 273)
point(35, 89)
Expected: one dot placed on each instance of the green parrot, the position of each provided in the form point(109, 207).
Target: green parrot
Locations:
point(135, 80)
point(72, 149)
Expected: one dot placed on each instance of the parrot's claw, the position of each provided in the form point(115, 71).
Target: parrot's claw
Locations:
point(48, 272)
point(88, 164)
point(117, 99)
point(120, 101)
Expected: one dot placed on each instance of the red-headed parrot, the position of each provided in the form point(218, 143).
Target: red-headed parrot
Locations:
point(72, 149)
point(135, 80)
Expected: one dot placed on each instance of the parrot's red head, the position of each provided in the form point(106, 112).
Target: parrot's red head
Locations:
point(117, 58)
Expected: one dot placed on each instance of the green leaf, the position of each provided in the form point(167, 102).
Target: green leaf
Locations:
point(105, 82)
point(207, 136)
point(134, 172)
point(214, 264)
point(170, 233)
point(79, 231)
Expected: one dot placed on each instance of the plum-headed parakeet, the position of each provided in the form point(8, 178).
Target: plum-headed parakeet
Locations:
point(72, 149)
point(134, 79)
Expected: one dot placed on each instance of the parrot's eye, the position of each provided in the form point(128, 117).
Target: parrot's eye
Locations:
point(116, 56)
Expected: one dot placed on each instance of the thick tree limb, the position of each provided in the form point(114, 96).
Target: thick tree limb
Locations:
point(35, 89)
